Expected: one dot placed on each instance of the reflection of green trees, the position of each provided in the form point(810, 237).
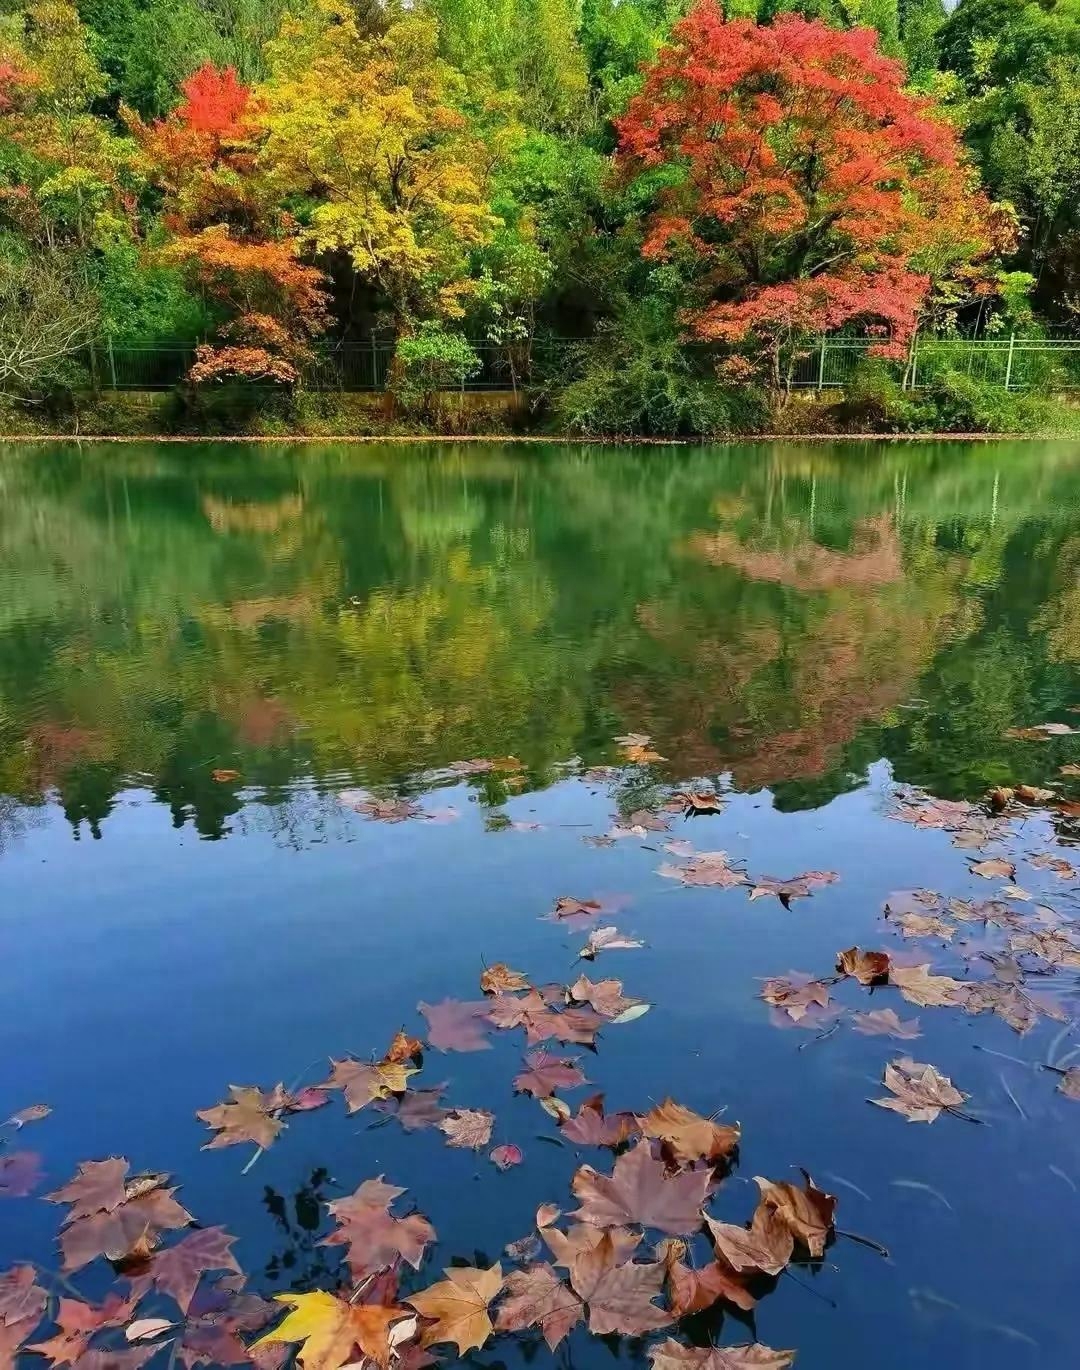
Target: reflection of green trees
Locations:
point(360, 614)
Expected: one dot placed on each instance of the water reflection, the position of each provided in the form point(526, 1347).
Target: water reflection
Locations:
point(315, 618)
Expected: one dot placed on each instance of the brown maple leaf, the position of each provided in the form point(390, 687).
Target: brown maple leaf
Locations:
point(1054, 947)
point(363, 1082)
point(21, 1297)
point(794, 994)
point(416, 1108)
point(330, 1327)
point(455, 1025)
point(546, 1074)
point(33, 1113)
point(606, 939)
point(592, 1127)
point(619, 1296)
point(1006, 1001)
point(921, 1091)
point(641, 1191)
point(98, 1187)
point(687, 1136)
point(565, 1247)
point(251, 1115)
point(130, 1229)
point(918, 986)
point(707, 869)
point(692, 1291)
point(924, 925)
point(536, 1297)
point(458, 1306)
point(604, 997)
point(77, 1322)
point(176, 1270)
point(1069, 1084)
point(883, 1022)
point(808, 1213)
point(375, 1238)
point(403, 1048)
point(798, 887)
point(672, 1355)
point(505, 1156)
point(766, 1245)
point(20, 1174)
point(468, 1127)
point(499, 978)
point(576, 912)
point(993, 869)
point(864, 966)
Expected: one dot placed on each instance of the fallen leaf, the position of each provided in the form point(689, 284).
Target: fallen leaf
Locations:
point(468, 1127)
point(20, 1174)
point(1054, 947)
point(330, 1328)
point(798, 887)
point(808, 1213)
point(924, 925)
point(993, 869)
point(1032, 794)
point(1069, 770)
point(458, 1307)
point(921, 1091)
point(416, 1108)
point(925, 812)
point(767, 1245)
point(309, 1098)
point(33, 1114)
point(687, 1136)
point(376, 1239)
point(864, 966)
point(592, 1127)
point(795, 993)
point(403, 1048)
point(98, 1187)
point(1040, 732)
point(456, 1025)
point(176, 1270)
point(606, 939)
point(672, 1355)
point(1065, 870)
point(700, 801)
point(603, 996)
point(883, 1022)
point(709, 868)
point(1005, 1001)
point(636, 749)
point(388, 810)
point(1069, 1084)
point(556, 1109)
point(566, 1247)
point(619, 1296)
point(547, 1214)
point(21, 1297)
point(546, 1074)
point(251, 1115)
point(506, 1156)
point(224, 776)
point(536, 1297)
point(692, 1291)
point(525, 1250)
point(145, 1329)
point(499, 978)
point(640, 1190)
point(363, 1082)
point(570, 909)
point(918, 986)
point(77, 1323)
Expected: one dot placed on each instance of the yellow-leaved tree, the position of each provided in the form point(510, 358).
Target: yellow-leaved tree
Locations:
point(365, 134)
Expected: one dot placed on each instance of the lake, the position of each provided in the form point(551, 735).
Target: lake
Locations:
point(240, 691)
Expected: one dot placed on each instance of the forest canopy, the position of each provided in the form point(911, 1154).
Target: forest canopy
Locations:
point(688, 190)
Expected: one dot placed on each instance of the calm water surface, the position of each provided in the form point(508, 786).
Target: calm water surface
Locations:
point(804, 627)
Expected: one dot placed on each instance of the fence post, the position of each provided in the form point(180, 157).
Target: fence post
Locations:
point(914, 360)
point(1008, 364)
point(112, 361)
point(821, 364)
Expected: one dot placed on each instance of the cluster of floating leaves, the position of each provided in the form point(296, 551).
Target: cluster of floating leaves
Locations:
point(1010, 955)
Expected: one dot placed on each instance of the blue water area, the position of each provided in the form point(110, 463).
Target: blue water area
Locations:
point(212, 657)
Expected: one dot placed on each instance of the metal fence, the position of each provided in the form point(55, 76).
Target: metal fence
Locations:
point(826, 363)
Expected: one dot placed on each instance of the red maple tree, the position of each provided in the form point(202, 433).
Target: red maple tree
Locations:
point(805, 190)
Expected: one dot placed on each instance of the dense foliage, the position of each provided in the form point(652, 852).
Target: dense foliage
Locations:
point(692, 194)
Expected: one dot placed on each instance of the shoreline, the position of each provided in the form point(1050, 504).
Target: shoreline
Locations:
point(531, 438)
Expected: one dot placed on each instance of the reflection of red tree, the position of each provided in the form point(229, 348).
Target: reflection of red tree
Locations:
point(58, 746)
point(261, 721)
point(874, 558)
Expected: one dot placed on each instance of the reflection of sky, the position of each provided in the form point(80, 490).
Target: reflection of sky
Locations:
point(144, 973)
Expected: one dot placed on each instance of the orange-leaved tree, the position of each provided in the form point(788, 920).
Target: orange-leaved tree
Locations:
point(229, 232)
point(801, 187)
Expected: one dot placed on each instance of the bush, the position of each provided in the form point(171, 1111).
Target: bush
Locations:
point(429, 361)
point(637, 380)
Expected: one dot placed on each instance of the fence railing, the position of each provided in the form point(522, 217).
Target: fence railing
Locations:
point(827, 363)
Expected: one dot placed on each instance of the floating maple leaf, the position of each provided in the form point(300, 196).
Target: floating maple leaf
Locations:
point(20, 1174)
point(21, 1297)
point(707, 868)
point(603, 996)
point(918, 986)
point(388, 810)
point(883, 1022)
point(767, 1245)
point(995, 868)
point(687, 1137)
point(536, 1297)
point(251, 1115)
point(640, 1190)
point(546, 1074)
point(864, 966)
point(672, 1355)
point(619, 1296)
point(499, 978)
point(1054, 947)
point(505, 1156)
point(592, 1127)
point(416, 1108)
point(798, 887)
point(375, 1238)
point(1065, 870)
point(566, 1247)
point(98, 1187)
point(924, 925)
point(458, 1307)
point(468, 1127)
point(693, 1290)
point(330, 1328)
point(456, 1025)
point(1006, 1001)
point(363, 1082)
point(925, 812)
point(76, 1323)
point(636, 749)
point(606, 939)
point(34, 1113)
point(176, 1270)
point(921, 1091)
point(576, 913)
point(1069, 1084)
point(794, 994)
point(807, 1213)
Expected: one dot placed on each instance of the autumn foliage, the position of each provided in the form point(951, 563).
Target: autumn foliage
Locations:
point(805, 189)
